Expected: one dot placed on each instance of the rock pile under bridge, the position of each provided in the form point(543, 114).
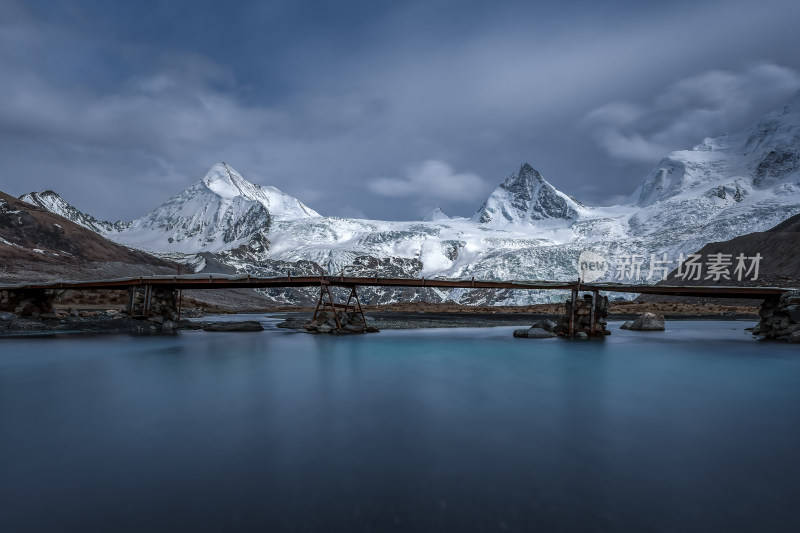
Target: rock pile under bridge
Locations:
point(29, 303)
point(325, 322)
point(581, 315)
point(780, 318)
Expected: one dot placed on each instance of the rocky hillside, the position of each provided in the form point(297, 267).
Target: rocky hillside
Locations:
point(38, 244)
point(779, 264)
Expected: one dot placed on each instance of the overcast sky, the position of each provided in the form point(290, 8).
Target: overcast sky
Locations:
point(377, 109)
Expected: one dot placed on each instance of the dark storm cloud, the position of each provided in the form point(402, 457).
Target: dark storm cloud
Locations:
point(689, 110)
point(354, 106)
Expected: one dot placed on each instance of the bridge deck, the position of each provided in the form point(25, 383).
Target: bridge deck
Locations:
point(219, 281)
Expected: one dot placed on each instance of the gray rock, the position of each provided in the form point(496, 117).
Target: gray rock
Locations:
point(539, 333)
point(534, 333)
point(581, 335)
point(6, 316)
point(627, 325)
point(647, 322)
point(650, 322)
point(169, 325)
point(26, 324)
point(324, 328)
point(547, 325)
point(562, 327)
point(794, 313)
point(245, 325)
point(789, 298)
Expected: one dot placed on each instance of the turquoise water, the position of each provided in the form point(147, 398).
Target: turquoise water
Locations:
point(693, 429)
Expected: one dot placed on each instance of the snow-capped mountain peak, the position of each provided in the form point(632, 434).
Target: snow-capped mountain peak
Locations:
point(436, 214)
point(524, 198)
point(225, 182)
point(220, 212)
point(761, 157)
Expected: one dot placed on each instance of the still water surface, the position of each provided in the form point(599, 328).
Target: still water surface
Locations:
point(694, 429)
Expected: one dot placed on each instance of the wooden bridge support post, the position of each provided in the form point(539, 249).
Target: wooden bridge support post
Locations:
point(572, 306)
point(593, 317)
point(180, 302)
point(325, 289)
point(319, 302)
point(357, 307)
point(148, 293)
point(131, 299)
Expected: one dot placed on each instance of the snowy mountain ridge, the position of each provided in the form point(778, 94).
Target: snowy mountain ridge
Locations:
point(54, 203)
point(527, 229)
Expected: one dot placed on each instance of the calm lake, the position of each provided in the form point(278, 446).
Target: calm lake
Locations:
point(692, 429)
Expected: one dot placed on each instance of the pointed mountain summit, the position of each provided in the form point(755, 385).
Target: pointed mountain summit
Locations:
point(525, 197)
point(220, 212)
point(436, 214)
point(226, 183)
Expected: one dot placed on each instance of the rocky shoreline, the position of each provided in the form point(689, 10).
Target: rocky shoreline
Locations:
point(424, 320)
point(115, 321)
point(110, 322)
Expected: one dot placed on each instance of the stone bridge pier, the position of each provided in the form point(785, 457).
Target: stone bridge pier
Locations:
point(149, 301)
point(27, 302)
point(780, 317)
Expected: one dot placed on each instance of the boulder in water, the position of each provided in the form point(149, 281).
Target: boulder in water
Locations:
point(646, 322)
point(547, 325)
point(534, 333)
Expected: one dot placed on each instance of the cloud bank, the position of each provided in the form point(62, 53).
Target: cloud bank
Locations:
point(707, 104)
point(433, 180)
point(119, 106)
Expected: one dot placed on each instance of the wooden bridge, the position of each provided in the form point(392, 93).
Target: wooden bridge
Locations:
point(220, 281)
point(160, 295)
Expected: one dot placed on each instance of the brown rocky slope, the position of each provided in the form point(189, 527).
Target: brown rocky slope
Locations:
point(779, 248)
point(36, 244)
